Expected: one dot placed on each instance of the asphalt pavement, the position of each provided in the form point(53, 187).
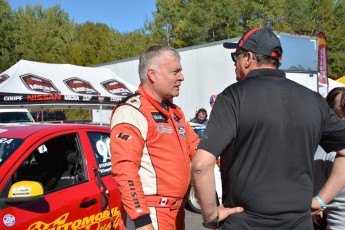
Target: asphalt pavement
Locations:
point(193, 221)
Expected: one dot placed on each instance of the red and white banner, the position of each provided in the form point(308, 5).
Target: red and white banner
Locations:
point(323, 60)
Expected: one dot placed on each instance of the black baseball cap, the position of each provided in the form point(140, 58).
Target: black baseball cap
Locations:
point(260, 41)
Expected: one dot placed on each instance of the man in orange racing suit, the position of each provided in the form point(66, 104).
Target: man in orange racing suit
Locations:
point(152, 145)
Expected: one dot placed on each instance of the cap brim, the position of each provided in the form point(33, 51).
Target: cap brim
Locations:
point(230, 45)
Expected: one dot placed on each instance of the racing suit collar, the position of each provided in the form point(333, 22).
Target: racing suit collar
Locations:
point(157, 106)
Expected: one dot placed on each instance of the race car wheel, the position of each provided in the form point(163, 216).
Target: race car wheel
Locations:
point(193, 201)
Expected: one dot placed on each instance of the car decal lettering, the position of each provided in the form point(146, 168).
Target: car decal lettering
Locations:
point(85, 223)
point(105, 167)
point(5, 140)
point(21, 191)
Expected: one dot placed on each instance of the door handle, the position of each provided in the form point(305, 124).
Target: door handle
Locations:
point(87, 204)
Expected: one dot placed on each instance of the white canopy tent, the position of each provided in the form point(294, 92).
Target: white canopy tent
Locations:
point(31, 84)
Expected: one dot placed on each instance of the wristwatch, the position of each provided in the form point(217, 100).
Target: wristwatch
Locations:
point(211, 224)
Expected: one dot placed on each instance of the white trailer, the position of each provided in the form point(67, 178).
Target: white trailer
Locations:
point(208, 69)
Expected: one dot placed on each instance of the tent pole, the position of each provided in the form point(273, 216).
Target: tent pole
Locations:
point(100, 115)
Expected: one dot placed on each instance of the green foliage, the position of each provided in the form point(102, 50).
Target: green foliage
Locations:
point(203, 21)
point(335, 35)
point(50, 36)
point(93, 44)
point(78, 114)
point(5, 24)
point(168, 21)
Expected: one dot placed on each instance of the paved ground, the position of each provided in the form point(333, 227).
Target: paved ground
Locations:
point(193, 220)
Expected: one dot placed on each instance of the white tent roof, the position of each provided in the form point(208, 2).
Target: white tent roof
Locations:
point(36, 84)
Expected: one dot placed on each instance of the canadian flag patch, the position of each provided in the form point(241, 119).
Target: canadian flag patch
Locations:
point(163, 201)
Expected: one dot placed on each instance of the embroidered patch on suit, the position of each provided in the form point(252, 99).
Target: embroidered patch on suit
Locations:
point(158, 117)
point(164, 129)
point(182, 131)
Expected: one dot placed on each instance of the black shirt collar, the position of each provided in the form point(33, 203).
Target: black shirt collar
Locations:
point(266, 73)
point(164, 105)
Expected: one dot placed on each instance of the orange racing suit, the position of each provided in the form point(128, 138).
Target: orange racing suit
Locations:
point(151, 150)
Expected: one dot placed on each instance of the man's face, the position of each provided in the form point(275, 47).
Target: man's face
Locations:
point(239, 64)
point(168, 77)
point(201, 116)
point(337, 106)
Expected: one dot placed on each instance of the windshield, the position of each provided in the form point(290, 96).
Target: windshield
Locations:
point(15, 117)
point(199, 129)
point(7, 147)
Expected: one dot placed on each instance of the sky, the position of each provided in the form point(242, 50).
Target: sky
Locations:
point(122, 15)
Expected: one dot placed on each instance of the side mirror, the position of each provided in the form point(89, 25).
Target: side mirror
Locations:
point(25, 191)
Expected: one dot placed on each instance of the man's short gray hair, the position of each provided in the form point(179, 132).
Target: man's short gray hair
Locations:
point(149, 57)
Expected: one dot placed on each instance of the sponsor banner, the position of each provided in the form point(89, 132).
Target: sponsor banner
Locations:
point(323, 60)
point(56, 98)
point(77, 85)
point(39, 84)
point(115, 87)
point(42, 97)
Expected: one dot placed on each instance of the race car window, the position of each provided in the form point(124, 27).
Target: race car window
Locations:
point(56, 163)
point(101, 148)
point(7, 147)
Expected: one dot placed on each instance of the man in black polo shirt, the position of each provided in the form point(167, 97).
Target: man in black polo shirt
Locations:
point(266, 128)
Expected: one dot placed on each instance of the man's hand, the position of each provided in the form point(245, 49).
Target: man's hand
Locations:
point(317, 217)
point(225, 212)
point(316, 212)
point(146, 227)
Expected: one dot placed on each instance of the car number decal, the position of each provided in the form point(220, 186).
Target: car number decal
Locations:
point(103, 149)
point(6, 140)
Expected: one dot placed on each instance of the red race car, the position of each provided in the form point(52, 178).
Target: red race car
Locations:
point(57, 176)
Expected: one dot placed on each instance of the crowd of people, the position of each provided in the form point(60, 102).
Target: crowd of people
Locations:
point(265, 128)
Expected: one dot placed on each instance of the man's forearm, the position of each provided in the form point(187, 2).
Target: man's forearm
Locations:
point(204, 183)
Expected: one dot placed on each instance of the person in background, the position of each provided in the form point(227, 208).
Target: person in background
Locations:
point(152, 145)
point(335, 98)
point(200, 117)
point(266, 128)
point(333, 217)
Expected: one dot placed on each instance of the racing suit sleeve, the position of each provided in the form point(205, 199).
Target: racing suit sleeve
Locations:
point(193, 140)
point(128, 135)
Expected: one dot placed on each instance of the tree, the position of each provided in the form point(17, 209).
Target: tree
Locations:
point(49, 35)
point(39, 35)
point(169, 18)
point(335, 40)
point(5, 28)
point(94, 44)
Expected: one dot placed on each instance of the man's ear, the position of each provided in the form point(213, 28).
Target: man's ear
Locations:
point(151, 75)
point(248, 59)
